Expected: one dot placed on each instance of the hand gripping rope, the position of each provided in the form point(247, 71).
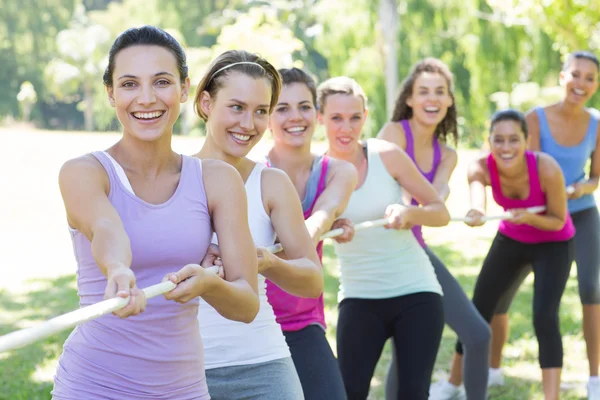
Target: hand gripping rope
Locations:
point(24, 337)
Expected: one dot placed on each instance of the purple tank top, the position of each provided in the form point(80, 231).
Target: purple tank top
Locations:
point(157, 354)
point(292, 312)
point(437, 158)
point(526, 233)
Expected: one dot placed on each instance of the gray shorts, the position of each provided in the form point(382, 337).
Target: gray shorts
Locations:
point(271, 380)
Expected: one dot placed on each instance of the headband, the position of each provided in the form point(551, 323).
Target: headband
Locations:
point(232, 65)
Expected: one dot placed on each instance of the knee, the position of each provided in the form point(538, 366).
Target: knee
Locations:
point(479, 339)
point(589, 291)
point(546, 323)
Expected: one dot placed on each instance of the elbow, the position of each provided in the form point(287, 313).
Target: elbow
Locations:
point(316, 289)
point(444, 216)
point(250, 311)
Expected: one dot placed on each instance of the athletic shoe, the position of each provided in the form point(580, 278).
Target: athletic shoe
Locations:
point(496, 377)
point(444, 390)
point(593, 389)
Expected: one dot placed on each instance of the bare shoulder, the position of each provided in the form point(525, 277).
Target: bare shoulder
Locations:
point(478, 166)
point(547, 166)
point(448, 153)
point(217, 173)
point(86, 168)
point(383, 147)
point(274, 176)
point(341, 167)
point(393, 132)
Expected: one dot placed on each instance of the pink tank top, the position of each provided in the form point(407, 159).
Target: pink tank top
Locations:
point(292, 312)
point(526, 233)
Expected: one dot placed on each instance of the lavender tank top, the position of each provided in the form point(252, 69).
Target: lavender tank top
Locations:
point(437, 158)
point(157, 354)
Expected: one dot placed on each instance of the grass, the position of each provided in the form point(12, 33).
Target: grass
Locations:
point(38, 267)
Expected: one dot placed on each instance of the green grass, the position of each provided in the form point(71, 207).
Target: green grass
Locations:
point(38, 267)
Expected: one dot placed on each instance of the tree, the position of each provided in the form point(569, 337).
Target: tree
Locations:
point(81, 58)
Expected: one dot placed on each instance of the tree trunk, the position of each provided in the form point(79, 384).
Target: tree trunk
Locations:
point(389, 21)
point(88, 111)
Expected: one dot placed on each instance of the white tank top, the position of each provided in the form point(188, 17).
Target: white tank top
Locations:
point(228, 343)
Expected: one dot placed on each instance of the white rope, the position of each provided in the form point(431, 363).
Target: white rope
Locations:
point(503, 216)
point(23, 337)
point(276, 248)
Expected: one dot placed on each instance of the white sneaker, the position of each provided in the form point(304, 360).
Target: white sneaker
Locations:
point(496, 377)
point(444, 390)
point(593, 389)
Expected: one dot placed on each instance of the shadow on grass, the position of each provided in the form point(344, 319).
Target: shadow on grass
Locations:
point(465, 269)
point(26, 373)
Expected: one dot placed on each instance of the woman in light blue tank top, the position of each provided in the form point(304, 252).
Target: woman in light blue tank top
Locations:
point(388, 287)
point(139, 212)
point(568, 131)
point(426, 102)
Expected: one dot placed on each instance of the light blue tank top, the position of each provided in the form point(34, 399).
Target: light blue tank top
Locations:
point(381, 263)
point(572, 159)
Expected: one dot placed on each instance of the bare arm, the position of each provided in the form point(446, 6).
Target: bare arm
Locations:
point(84, 187)
point(444, 172)
point(591, 184)
point(341, 182)
point(401, 167)
point(533, 131)
point(236, 296)
point(553, 185)
point(476, 175)
point(300, 274)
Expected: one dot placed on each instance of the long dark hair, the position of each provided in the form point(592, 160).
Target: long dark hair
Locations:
point(448, 126)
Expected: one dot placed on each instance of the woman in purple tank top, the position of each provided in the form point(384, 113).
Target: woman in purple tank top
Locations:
point(324, 185)
point(425, 115)
point(139, 212)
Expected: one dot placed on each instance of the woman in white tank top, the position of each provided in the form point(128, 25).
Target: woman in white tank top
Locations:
point(252, 361)
point(388, 288)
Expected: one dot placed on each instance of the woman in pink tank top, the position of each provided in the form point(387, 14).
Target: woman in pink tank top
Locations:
point(139, 212)
point(324, 185)
point(521, 179)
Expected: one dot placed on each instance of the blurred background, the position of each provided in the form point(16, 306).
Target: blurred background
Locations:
point(502, 52)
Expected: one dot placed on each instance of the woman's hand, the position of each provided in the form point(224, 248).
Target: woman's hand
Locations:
point(398, 216)
point(192, 281)
point(348, 228)
point(474, 218)
point(213, 259)
point(121, 283)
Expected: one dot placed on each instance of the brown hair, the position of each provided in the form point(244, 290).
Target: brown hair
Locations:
point(296, 75)
point(247, 63)
point(339, 85)
point(448, 126)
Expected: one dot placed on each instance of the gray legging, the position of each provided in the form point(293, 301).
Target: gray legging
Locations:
point(472, 330)
point(587, 258)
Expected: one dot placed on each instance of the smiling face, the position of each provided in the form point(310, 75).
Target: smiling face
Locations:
point(580, 81)
point(507, 143)
point(239, 115)
point(294, 118)
point(343, 116)
point(430, 98)
point(147, 91)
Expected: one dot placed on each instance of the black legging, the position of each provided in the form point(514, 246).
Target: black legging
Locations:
point(415, 322)
point(504, 264)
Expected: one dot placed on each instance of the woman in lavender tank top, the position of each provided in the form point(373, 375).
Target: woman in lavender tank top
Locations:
point(324, 185)
point(139, 212)
point(424, 115)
